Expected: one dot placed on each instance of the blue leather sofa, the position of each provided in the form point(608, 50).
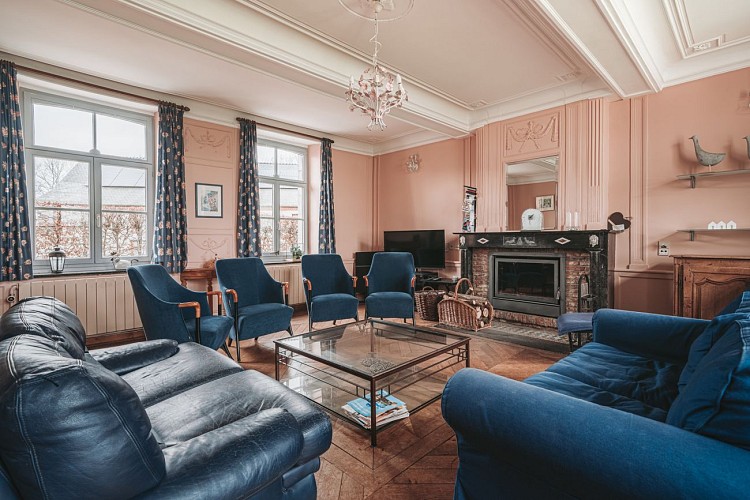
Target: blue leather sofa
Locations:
point(155, 419)
point(655, 407)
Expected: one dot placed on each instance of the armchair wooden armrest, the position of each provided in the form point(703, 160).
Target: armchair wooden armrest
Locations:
point(218, 294)
point(197, 306)
point(307, 283)
point(413, 281)
point(354, 283)
point(285, 287)
point(367, 281)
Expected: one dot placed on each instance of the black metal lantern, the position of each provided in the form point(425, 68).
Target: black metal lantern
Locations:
point(57, 260)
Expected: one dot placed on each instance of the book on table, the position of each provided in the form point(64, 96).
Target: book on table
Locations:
point(387, 409)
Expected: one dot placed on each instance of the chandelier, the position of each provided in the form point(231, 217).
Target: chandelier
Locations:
point(377, 90)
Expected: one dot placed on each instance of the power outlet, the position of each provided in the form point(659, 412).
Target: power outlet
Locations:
point(663, 249)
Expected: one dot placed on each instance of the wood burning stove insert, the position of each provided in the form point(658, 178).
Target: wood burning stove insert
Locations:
point(530, 283)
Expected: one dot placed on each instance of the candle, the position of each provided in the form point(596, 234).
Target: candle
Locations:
point(568, 220)
point(575, 220)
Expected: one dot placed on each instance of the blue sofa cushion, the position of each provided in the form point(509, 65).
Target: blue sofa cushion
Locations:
point(333, 306)
point(607, 376)
point(261, 319)
point(738, 309)
point(390, 305)
point(716, 400)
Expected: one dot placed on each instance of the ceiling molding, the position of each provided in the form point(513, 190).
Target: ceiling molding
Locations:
point(687, 44)
point(625, 27)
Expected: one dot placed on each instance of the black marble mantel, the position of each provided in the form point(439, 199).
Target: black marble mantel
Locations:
point(599, 244)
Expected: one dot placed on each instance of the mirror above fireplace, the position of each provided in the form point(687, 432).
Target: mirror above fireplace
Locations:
point(532, 184)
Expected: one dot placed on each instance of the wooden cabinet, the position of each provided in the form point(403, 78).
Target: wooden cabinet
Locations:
point(705, 284)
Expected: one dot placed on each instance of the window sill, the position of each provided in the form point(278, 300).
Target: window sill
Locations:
point(73, 272)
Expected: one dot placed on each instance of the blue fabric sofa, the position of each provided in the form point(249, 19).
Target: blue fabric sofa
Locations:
point(655, 407)
point(149, 420)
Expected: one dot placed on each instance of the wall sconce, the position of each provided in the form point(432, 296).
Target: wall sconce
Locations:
point(412, 164)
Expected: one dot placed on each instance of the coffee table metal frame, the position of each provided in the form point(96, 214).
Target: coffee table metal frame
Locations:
point(453, 353)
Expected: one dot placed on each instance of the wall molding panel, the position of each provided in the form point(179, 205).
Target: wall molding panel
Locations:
point(638, 204)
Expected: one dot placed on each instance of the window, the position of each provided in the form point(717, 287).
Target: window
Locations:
point(283, 188)
point(90, 171)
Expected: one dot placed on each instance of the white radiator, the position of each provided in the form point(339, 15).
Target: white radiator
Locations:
point(103, 303)
point(292, 274)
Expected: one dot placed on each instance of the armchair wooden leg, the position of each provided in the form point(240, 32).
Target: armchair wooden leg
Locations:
point(334, 322)
point(226, 349)
point(238, 348)
point(229, 341)
point(290, 330)
point(309, 323)
point(414, 321)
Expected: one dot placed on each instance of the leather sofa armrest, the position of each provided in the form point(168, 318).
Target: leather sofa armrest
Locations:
point(234, 461)
point(509, 431)
point(650, 335)
point(130, 357)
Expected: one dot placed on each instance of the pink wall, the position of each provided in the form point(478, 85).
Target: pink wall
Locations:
point(211, 157)
point(644, 176)
point(353, 201)
point(430, 198)
point(523, 196)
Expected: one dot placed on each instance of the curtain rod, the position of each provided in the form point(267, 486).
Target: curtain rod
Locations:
point(94, 85)
point(283, 129)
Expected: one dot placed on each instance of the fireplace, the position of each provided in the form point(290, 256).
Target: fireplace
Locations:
point(529, 283)
point(561, 258)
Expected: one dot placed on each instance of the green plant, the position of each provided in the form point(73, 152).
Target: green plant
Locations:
point(296, 252)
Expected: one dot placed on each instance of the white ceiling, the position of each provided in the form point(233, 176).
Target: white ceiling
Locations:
point(464, 63)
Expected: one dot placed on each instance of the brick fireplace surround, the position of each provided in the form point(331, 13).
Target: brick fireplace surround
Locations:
point(585, 252)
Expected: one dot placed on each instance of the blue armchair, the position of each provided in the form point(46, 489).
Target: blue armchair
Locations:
point(255, 300)
point(329, 289)
point(390, 286)
point(170, 311)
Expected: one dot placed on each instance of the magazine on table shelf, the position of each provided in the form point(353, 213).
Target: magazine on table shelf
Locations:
point(387, 409)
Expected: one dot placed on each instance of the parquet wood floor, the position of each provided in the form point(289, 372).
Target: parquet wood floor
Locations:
point(416, 458)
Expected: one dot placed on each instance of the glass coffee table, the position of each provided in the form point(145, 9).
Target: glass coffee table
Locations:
point(334, 366)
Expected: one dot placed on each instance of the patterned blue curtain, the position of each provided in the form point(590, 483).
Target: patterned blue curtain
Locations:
point(248, 201)
point(15, 249)
point(327, 236)
point(170, 219)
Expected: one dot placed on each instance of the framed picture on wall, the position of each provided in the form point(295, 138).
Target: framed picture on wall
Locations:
point(545, 203)
point(209, 201)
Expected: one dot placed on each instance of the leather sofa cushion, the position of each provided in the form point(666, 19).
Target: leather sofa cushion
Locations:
point(600, 373)
point(191, 366)
point(716, 400)
point(221, 402)
point(71, 426)
point(129, 357)
point(49, 318)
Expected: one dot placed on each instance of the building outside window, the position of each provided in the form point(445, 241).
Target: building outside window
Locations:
point(283, 188)
point(90, 178)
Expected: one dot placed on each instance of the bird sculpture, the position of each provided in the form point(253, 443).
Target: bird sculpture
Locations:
point(747, 140)
point(704, 157)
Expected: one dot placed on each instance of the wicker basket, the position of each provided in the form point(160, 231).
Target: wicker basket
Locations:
point(427, 303)
point(466, 311)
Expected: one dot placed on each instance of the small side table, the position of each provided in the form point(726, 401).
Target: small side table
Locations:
point(200, 273)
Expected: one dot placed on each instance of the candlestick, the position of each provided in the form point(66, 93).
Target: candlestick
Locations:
point(575, 220)
point(568, 220)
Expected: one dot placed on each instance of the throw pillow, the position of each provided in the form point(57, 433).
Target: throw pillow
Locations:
point(713, 332)
point(716, 401)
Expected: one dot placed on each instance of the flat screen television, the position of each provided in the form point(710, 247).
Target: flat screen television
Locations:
point(427, 246)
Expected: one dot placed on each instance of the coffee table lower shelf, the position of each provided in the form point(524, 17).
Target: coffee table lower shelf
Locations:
point(418, 382)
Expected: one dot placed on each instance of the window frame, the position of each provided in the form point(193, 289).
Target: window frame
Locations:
point(96, 261)
point(279, 255)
